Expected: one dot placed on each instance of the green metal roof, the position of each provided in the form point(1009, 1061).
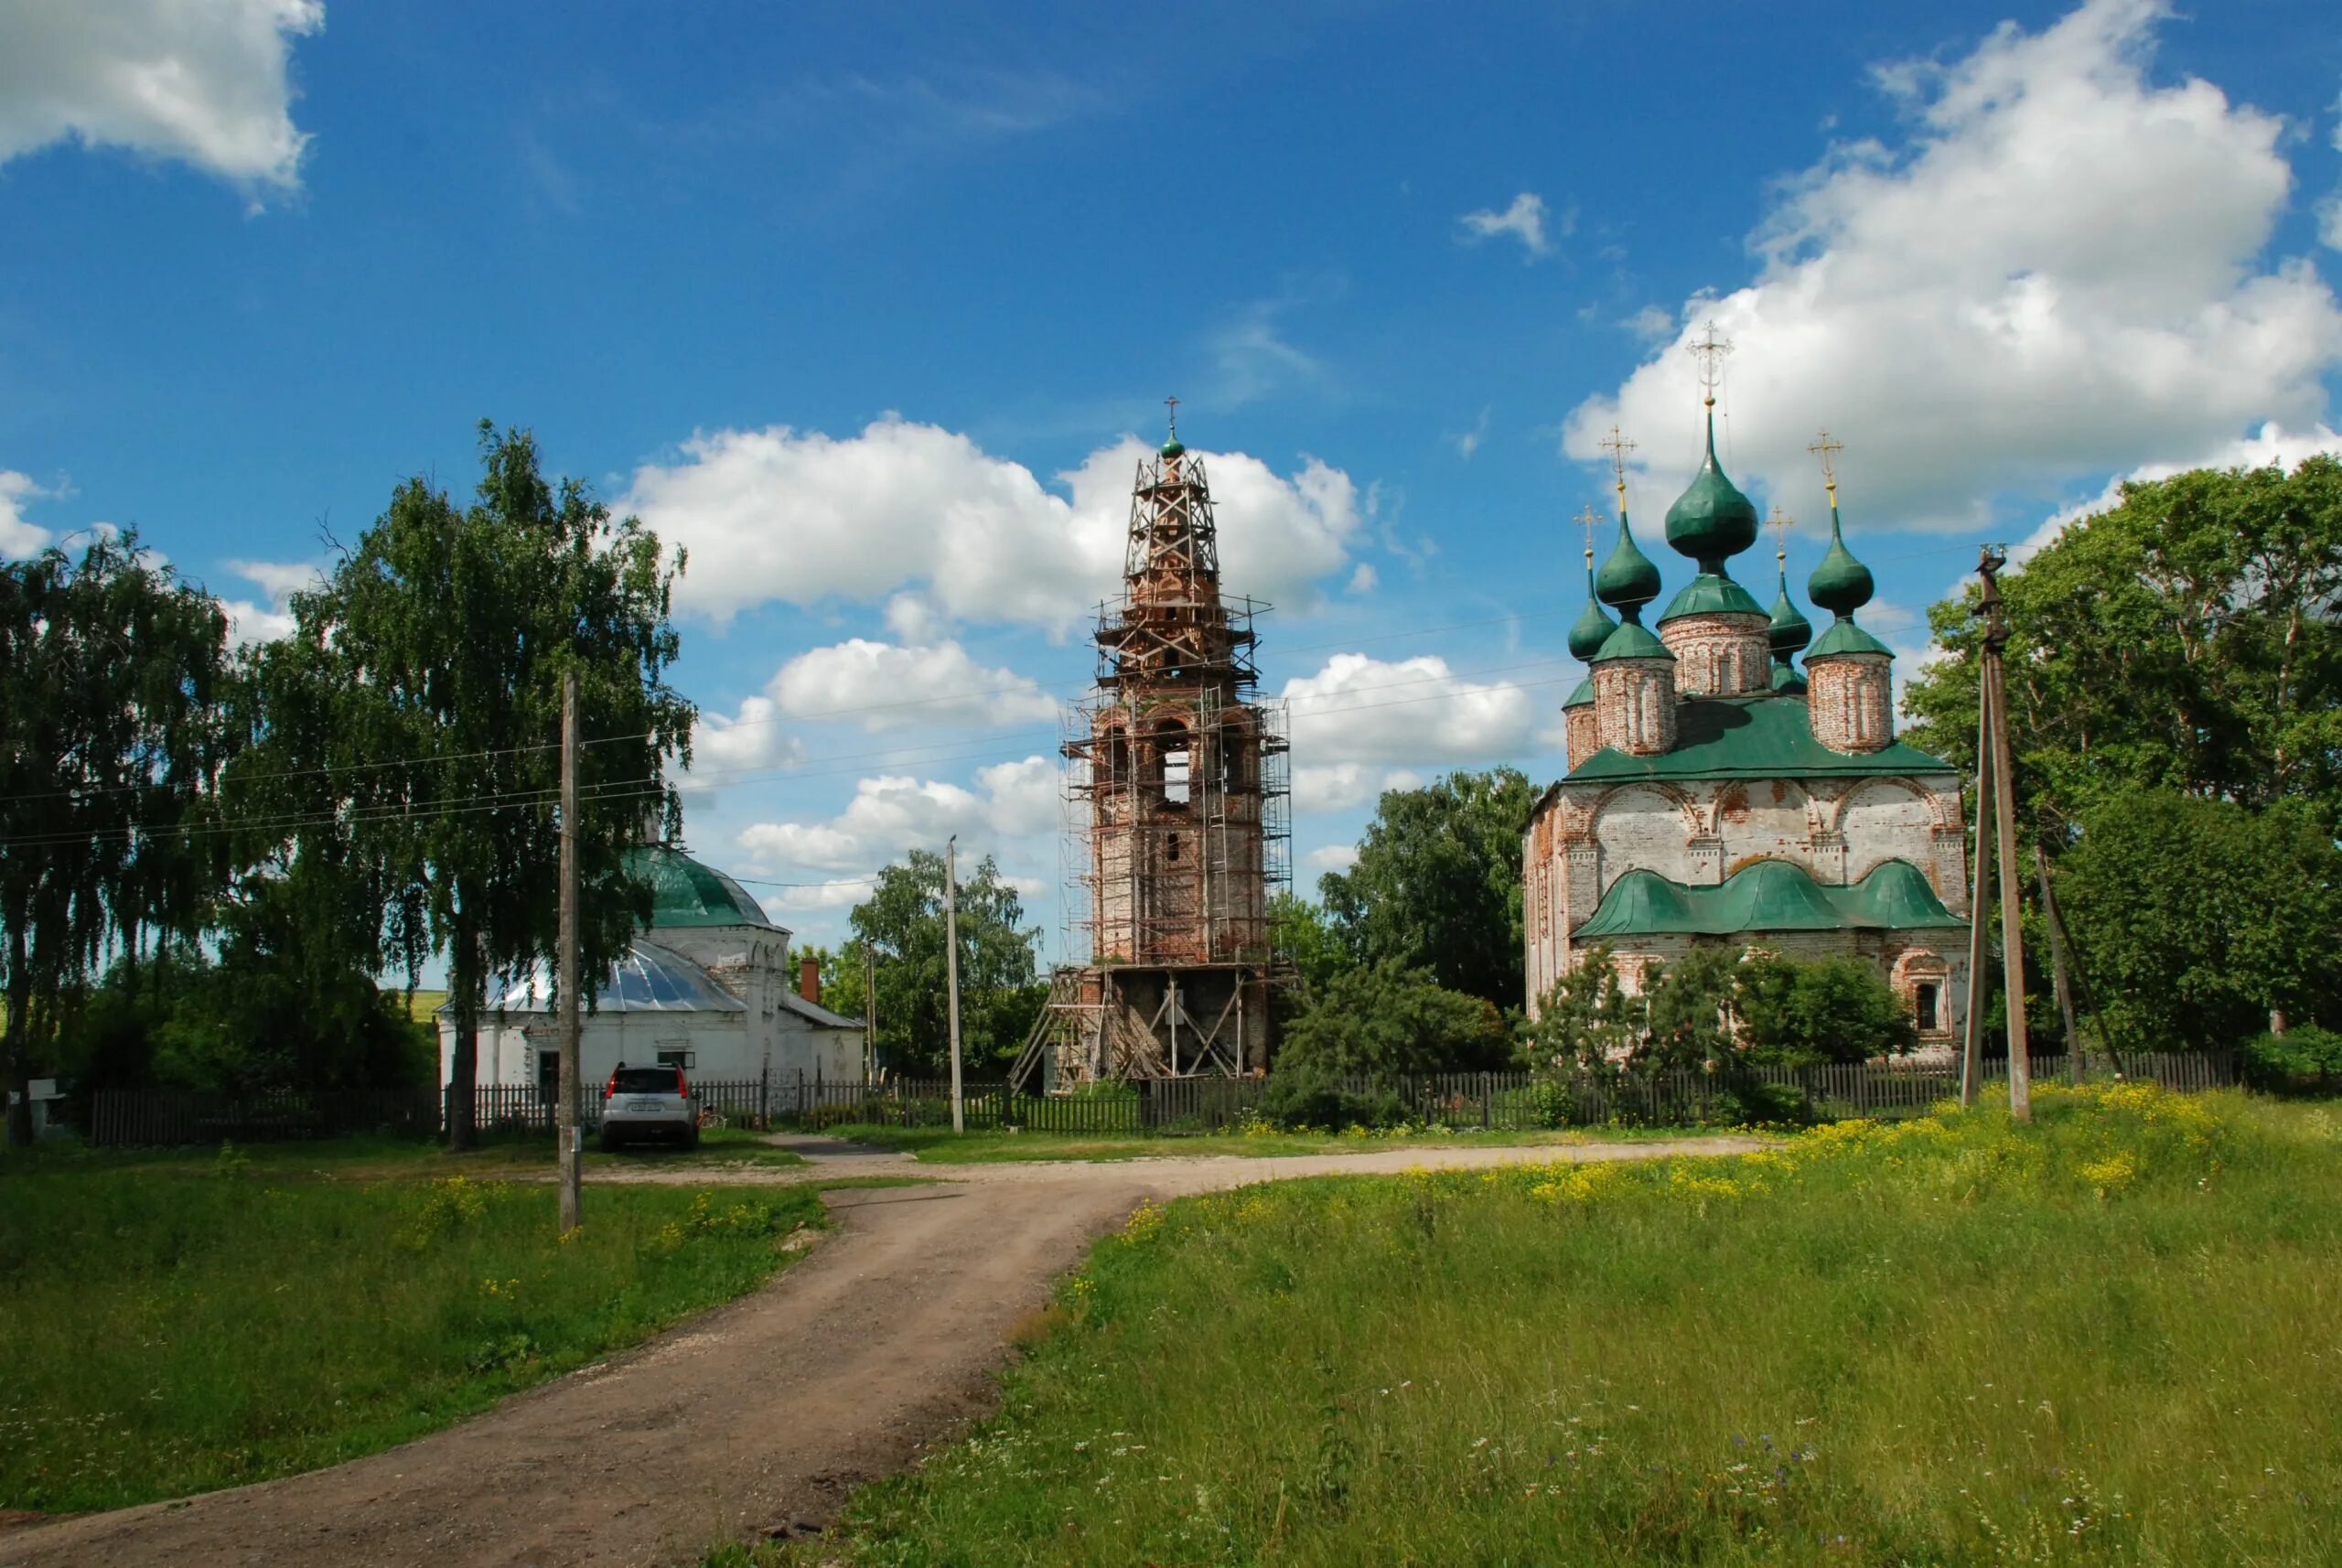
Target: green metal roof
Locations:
point(1711, 593)
point(1750, 738)
point(1712, 520)
point(1593, 628)
point(1840, 582)
point(1789, 631)
point(1767, 895)
point(685, 892)
point(1628, 581)
point(1631, 641)
point(1787, 682)
point(1845, 637)
point(1581, 695)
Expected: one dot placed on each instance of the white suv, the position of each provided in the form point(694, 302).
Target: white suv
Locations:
point(649, 1102)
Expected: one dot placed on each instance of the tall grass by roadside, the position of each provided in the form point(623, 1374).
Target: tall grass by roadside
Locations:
point(169, 1332)
point(2107, 1337)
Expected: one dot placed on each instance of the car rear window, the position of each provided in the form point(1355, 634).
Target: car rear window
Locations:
point(645, 1080)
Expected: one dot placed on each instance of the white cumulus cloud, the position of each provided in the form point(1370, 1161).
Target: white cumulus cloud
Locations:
point(886, 685)
point(18, 537)
point(272, 617)
point(1523, 220)
point(1341, 786)
point(800, 517)
point(2058, 272)
point(1013, 805)
point(202, 82)
point(1362, 709)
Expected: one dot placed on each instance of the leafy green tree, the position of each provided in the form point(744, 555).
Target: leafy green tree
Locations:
point(2196, 919)
point(1301, 931)
point(1384, 1020)
point(1437, 884)
point(115, 722)
point(282, 1004)
point(408, 730)
point(1586, 1021)
point(1000, 989)
point(1687, 1008)
point(2185, 639)
point(1797, 1013)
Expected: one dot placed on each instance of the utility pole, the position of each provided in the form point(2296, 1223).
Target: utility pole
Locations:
point(1996, 705)
point(951, 968)
point(1980, 950)
point(565, 1112)
point(869, 1014)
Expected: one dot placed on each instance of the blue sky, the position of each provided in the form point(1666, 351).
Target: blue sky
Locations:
point(871, 306)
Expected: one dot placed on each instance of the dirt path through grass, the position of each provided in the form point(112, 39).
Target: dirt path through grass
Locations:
point(758, 1416)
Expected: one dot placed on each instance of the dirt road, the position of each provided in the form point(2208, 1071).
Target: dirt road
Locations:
point(757, 1416)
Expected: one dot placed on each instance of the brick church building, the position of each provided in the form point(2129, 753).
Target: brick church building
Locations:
point(1718, 793)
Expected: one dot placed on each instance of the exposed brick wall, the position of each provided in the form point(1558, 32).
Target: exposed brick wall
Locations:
point(1582, 729)
point(1850, 699)
point(1719, 655)
point(1634, 705)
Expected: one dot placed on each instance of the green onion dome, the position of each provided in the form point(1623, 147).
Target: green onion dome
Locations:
point(1631, 641)
point(1711, 520)
point(1790, 630)
point(1627, 580)
point(1841, 585)
point(1172, 448)
point(1593, 628)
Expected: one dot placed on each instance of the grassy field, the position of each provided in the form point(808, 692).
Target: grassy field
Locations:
point(2108, 1338)
point(943, 1146)
point(367, 1158)
point(172, 1326)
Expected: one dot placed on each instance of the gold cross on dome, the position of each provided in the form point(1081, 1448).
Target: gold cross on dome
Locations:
point(1709, 351)
point(1587, 520)
point(1780, 522)
point(1172, 405)
point(1828, 450)
point(1617, 445)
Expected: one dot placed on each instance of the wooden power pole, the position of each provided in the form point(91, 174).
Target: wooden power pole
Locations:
point(951, 968)
point(1996, 710)
point(1980, 947)
point(869, 1013)
point(566, 1087)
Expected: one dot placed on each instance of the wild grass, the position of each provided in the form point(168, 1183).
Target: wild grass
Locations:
point(171, 1331)
point(942, 1147)
point(2105, 1339)
point(372, 1157)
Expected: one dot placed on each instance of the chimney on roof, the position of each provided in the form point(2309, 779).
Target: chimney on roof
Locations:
point(808, 979)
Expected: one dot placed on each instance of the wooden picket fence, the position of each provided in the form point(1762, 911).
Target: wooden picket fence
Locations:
point(1498, 1101)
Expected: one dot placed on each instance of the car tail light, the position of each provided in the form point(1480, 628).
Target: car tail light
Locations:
point(680, 1086)
point(609, 1090)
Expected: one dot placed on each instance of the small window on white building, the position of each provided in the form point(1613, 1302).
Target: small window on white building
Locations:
point(684, 1059)
point(1929, 1000)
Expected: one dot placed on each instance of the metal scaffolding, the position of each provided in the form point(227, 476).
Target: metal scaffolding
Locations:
point(1178, 817)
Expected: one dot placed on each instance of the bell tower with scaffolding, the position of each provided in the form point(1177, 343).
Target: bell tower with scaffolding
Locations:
point(1178, 789)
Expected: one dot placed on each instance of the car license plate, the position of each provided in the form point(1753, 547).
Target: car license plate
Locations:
point(643, 1105)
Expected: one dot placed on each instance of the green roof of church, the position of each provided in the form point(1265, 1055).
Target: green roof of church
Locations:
point(1580, 694)
point(1632, 640)
point(1749, 737)
point(1845, 637)
point(685, 892)
point(1766, 895)
point(1710, 593)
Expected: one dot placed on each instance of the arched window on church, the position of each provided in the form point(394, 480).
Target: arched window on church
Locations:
point(1171, 746)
